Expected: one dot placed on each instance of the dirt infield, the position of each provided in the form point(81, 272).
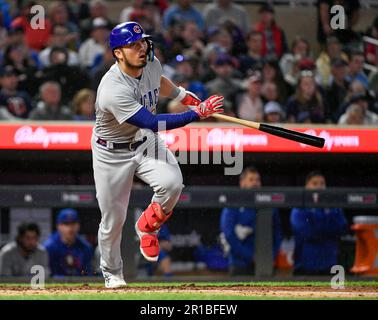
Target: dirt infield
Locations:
point(368, 292)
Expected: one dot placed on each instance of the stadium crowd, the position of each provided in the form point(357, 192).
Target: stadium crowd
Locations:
point(52, 73)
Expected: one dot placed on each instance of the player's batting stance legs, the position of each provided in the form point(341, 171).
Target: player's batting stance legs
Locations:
point(113, 185)
point(124, 142)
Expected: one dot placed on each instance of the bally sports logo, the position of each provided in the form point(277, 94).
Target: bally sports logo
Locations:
point(261, 197)
point(40, 136)
point(235, 137)
point(367, 198)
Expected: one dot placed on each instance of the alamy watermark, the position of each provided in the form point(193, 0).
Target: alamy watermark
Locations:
point(39, 278)
point(338, 20)
point(38, 17)
point(338, 280)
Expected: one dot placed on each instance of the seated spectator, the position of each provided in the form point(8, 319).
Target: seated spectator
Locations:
point(356, 68)
point(317, 233)
point(251, 105)
point(50, 107)
point(18, 257)
point(221, 38)
point(306, 105)
point(70, 78)
point(59, 38)
point(358, 113)
point(35, 38)
point(354, 115)
point(371, 50)
point(95, 46)
point(58, 14)
point(338, 88)
point(16, 102)
point(273, 112)
point(84, 105)
point(253, 59)
point(149, 17)
point(271, 72)
point(357, 93)
point(300, 49)
point(77, 11)
point(238, 37)
point(210, 55)
point(25, 66)
point(16, 38)
point(69, 253)
point(130, 9)
point(224, 83)
point(192, 40)
point(238, 227)
point(221, 10)
point(274, 40)
point(209, 256)
point(180, 12)
point(332, 50)
point(97, 9)
point(269, 92)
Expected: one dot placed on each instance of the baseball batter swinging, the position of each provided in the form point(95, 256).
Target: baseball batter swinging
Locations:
point(125, 140)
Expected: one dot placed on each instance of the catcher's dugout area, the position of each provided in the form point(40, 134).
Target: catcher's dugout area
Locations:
point(307, 229)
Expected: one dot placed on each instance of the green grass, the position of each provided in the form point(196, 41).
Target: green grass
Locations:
point(216, 284)
point(122, 295)
point(165, 296)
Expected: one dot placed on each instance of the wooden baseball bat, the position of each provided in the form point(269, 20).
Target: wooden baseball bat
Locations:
point(274, 130)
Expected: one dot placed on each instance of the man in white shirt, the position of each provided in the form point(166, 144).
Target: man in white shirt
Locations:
point(58, 39)
point(94, 47)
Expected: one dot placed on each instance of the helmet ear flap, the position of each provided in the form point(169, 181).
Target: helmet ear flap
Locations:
point(150, 50)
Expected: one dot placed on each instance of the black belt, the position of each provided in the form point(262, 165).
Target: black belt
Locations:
point(132, 146)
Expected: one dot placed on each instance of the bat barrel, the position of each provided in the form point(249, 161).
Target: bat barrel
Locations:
point(293, 135)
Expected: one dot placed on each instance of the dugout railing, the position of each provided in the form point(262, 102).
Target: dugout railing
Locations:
point(263, 199)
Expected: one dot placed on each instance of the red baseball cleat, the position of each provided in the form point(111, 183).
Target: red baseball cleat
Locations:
point(147, 228)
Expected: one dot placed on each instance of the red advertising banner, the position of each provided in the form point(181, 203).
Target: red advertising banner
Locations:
point(33, 136)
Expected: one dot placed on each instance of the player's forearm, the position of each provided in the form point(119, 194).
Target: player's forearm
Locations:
point(168, 89)
point(147, 120)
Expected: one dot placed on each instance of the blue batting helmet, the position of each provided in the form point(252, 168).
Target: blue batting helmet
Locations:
point(126, 33)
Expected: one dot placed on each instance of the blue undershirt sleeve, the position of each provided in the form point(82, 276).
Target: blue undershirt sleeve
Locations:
point(146, 120)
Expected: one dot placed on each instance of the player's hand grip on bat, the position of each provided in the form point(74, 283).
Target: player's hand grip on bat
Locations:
point(208, 107)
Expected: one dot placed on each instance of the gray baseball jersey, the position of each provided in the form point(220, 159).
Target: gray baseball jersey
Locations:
point(119, 97)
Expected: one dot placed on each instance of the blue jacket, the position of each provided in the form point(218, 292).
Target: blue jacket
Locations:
point(174, 14)
point(242, 251)
point(317, 232)
point(69, 261)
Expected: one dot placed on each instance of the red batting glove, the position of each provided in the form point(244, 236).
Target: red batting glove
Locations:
point(210, 106)
point(190, 99)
